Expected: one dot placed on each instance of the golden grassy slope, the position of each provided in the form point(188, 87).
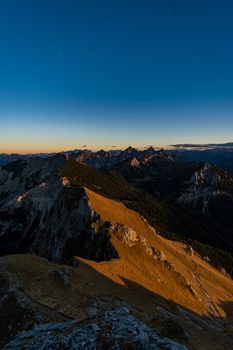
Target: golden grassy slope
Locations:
point(137, 265)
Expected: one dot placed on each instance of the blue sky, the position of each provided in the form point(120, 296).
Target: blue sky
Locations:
point(106, 73)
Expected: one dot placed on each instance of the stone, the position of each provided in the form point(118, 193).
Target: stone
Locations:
point(189, 250)
point(114, 330)
point(156, 253)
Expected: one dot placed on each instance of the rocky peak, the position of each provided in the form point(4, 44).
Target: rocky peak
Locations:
point(134, 162)
point(206, 184)
point(150, 150)
point(130, 150)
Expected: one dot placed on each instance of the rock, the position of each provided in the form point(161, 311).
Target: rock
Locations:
point(65, 181)
point(57, 336)
point(156, 253)
point(206, 258)
point(205, 185)
point(127, 235)
point(134, 162)
point(114, 330)
point(189, 250)
point(223, 271)
point(192, 290)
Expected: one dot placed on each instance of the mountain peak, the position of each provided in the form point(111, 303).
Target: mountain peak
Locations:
point(130, 149)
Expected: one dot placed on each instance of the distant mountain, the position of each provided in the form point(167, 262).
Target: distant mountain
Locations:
point(222, 157)
point(107, 159)
point(8, 158)
point(82, 155)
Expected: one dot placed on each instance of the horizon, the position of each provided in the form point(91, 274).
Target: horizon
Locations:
point(185, 145)
point(102, 74)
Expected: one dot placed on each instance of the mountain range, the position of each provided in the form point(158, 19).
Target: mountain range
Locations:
point(127, 249)
point(217, 154)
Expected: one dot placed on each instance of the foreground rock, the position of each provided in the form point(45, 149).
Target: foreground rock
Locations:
point(116, 329)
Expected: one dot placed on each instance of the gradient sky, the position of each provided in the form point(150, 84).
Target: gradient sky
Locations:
point(114, 72)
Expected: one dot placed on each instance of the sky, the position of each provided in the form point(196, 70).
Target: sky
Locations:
point(107, 73)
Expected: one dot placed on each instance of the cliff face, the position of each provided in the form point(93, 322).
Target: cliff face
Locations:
point(206, 185)
point(50, 219)
point(210, 192)
point(28, 191)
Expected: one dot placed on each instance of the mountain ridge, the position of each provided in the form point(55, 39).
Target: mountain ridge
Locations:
point(97, 238)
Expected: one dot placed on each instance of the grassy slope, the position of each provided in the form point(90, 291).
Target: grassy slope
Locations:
point(173, 222)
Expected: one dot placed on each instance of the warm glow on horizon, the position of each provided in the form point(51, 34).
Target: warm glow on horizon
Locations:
point(96, 129)
point(36, 149)
point(99, 77)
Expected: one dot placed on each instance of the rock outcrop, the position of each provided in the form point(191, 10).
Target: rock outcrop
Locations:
point(113, 330)
point(206, 186)
point(40, 213)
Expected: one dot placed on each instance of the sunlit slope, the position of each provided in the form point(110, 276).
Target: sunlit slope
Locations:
point(171, 221)
point(176, 275)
